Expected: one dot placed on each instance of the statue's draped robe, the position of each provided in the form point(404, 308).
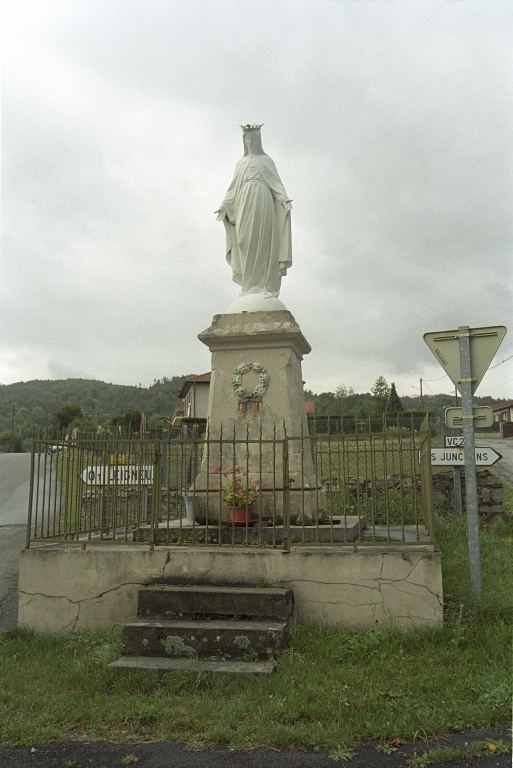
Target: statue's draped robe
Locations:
point(258, 238)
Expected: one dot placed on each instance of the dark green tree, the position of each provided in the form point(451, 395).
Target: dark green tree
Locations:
point(380, 394)
point(344, 397)
point(66, 415)
point(10, 443)
point(323, 402)
point(394, 401)
point(38, 416)
point(129, 422)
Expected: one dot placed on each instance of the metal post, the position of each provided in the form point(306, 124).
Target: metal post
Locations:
point(421, 397)
point(286, 493)
point(101, 509)
point(465, 382)
point(144, 503)
point(457, 490)
point(31, 492)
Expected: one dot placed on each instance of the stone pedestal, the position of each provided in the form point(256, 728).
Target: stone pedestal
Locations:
point(267, 405)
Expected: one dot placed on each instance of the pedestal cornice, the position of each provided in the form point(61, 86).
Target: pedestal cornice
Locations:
point(255, 330)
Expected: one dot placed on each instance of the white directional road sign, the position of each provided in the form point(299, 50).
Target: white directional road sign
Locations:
point(484, 343)
point(465, 355)
point(483, 417)
point(122, 474)
point(455, 457)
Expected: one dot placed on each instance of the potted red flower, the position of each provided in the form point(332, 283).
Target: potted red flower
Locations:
point(239, 494)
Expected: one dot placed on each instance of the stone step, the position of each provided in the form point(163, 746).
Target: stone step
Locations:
point(204, 639)
point(190, 602)
point(160, 665)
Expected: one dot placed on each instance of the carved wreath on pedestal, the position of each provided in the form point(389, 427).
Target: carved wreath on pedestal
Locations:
point(261, 387)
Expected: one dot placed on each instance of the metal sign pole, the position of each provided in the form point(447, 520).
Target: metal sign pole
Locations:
point(457, 490)
point(465, 382)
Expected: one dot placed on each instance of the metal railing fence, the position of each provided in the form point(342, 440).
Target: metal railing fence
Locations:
point(233, 490)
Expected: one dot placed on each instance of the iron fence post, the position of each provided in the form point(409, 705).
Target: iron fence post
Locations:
point(156, 500)
point(286, 496)
point(426, 479)
point(31, 494)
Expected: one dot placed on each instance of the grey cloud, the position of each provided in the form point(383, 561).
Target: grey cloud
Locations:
point(390, 124)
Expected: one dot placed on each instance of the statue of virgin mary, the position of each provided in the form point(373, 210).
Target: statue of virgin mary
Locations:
point(256, 215)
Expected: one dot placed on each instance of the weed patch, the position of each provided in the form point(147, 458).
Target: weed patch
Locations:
point(488, 748)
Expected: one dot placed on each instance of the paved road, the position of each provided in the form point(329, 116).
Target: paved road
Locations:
point(14, 488)
point(504, 467)
point(14, 493)
point(169, 755)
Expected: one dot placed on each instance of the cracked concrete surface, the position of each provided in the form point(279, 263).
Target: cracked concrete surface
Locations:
point(98, 587)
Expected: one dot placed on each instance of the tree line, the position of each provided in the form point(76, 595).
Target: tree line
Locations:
point(55, 405)
point(31, 406)
point(383, 397)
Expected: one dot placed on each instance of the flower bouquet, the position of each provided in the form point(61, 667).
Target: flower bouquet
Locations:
point(239, 494)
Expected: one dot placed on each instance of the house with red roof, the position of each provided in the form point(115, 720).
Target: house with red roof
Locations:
point(503, 411)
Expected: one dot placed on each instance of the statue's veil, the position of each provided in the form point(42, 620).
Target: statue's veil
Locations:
point(259, 137)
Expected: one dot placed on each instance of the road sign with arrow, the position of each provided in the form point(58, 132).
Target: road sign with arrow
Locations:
point(465, 355)
point(455, 457)
point(124, 474)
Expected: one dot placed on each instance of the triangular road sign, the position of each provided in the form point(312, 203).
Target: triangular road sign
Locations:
point(484, 343)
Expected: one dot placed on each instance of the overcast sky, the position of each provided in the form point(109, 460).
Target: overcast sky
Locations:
point(391, 127)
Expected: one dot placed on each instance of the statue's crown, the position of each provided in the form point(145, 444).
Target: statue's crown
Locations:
point(249, 127)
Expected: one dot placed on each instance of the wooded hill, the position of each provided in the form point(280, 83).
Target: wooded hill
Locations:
point(36, 401)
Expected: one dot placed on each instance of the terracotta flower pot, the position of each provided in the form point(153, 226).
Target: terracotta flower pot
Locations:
point(238, 516)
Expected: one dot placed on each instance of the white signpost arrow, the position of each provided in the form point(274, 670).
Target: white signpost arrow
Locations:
point(465, 355)
point(122, 474)
point(455, 457)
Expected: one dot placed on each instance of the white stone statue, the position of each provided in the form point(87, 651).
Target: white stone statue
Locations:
point(256, 216)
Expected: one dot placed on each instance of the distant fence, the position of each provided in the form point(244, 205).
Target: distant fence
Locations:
point(351, 425)
point(189, 427)
point(325, 488)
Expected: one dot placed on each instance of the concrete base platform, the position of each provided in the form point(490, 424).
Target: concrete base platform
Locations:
point(64, 588)
point(161, 665)
point(412, 533)
point(343, 529)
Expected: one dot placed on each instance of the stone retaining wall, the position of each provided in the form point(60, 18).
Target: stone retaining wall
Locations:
point(489, 492)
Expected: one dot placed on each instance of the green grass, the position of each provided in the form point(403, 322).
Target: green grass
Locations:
point(377, 457)
point(332, 689)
